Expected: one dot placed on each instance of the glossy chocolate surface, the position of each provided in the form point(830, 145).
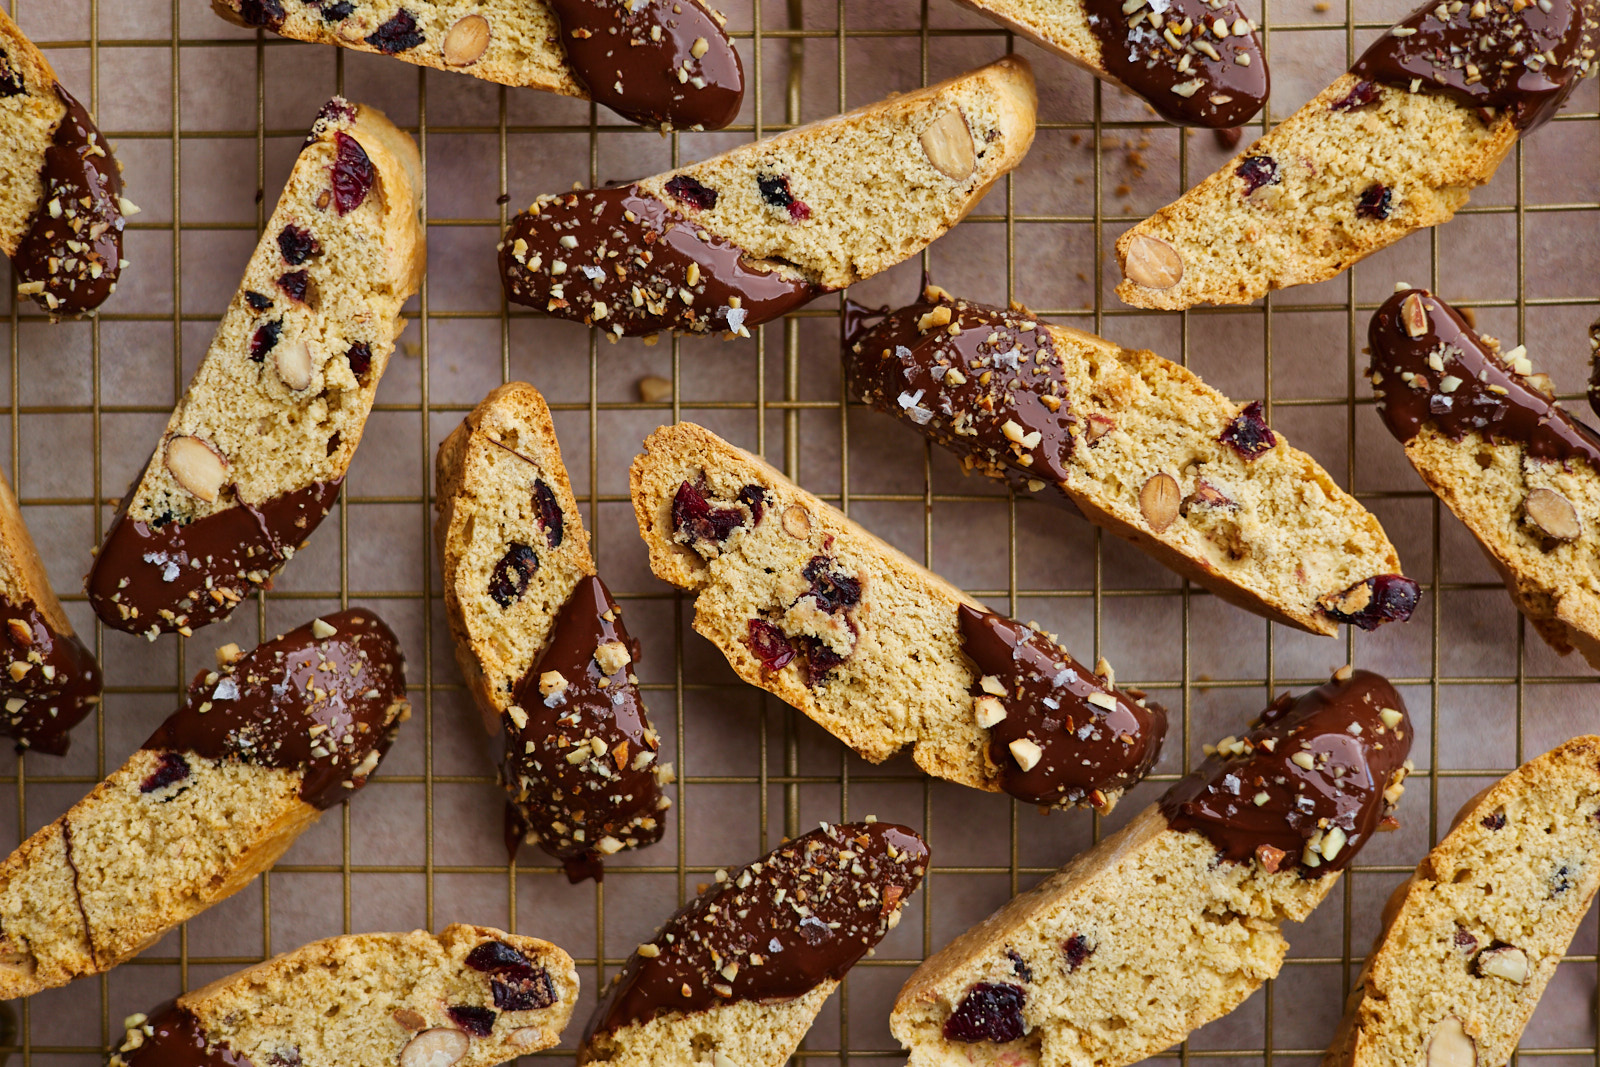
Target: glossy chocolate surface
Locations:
point(1315, 767)
point(73, 247)
point(326, 706)
point(658, 62)
point(768, 932)
point(179, 575)
point(1485, 396)
point(1085, 749)
point(1171, 53)
point(584, 256)
point(580, 760)
point(51, 680)
point(177, 1040)
point(1512, 55)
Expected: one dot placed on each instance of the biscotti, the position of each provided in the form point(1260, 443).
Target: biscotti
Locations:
point(745, 237)
point(740, 972)
point(1424, 117)
point(541, 641)
point(62, 212)
point(1195, 62)
point(1472, 939)
point(877, 650)
point(254, 454)
point(1488, 437)
point(1138, 445)
point(473, 996)
point(260, 748)
point(1174, 920)
point(51, 681)
point(657, 62)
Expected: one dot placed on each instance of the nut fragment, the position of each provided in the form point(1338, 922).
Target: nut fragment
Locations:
point(612, 656)
point(1503, 961)
point(797, 522)
point(948, 143)
point(1450, 1046)
point(1552, 515)
point(1159, 501)
point(653, 390)
point(467, 40)
point(439, 1047)
point(409, 1019)
point(21, 632)
point(1026, 753)
point(1413, 316)
point(1152, 263)
point(197, 466)
point(527, 1036)
point(293, 360)
point(988, 711)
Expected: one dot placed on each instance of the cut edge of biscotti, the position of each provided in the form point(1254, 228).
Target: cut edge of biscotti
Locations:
point(1343, 183)
point(746, 1033)
point(29, 120)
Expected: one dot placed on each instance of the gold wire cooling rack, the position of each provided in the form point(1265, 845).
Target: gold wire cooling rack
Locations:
point(206, 119)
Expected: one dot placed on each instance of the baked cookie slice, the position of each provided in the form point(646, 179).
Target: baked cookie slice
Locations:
point(745, 237)
point(1491, 441)
point(1397, 144)
point(472, 995)
point(875, 649)
point(1174, 920)
point(1140, 446)
point(254, 454)
point(260, 748)
point(62, 211)
point(1472, 939)
point(665, 63)
point(541, 642)
point(740, 972)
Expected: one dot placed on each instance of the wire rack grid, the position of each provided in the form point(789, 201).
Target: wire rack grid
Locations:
point(204, 116)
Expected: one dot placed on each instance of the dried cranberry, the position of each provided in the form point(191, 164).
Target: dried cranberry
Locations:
point(268, 13)
point(336, 110)
point(171, 768)
point(265, 339)
point(832, 590)
point(334, 442)
point(1077, 950)
point(1361, 95)
point(512, 574)
point(257, 301)
point(1256, 171)
point(337, 11)
point(991, 1011)
point(492, 956)
point(551, 521)
point(479, 1022)
point(691, 192)
point(295, 285)
point(1374, 203)
point(527, 990)
point(1248, 434)
point(10, 78)
point(1495, 821)
point(820, 661)
point(353, 173)
point(1019, 966)
point(1389, 597)
point(693, 515)
point(397, 34)
point(775, 191)
point(769, 645)
point(297, 245)
point(755, 498)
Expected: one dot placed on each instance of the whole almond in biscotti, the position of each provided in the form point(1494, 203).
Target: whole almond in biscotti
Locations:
point(253, 456)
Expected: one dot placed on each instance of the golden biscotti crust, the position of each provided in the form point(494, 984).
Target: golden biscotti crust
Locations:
point(29, 120)
point(22, 574)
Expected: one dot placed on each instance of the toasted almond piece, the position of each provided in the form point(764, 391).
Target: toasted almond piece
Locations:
point(612, 656)
point(527, 1036)
point(1552, 515)
point(229, 654)
point(293, 360)
point(1159, 500)
point(439, 1047)
point(21, 632)
point(1026, 753)
point(197, 465)
point(948, 144)
point(1450, 1046)
point(1413, 316)
point(988, 711)
point(1503, 961)
point(408, 1019)
point(467, 40)
point(797, 522)
point(1152, 263)
point(653, 390)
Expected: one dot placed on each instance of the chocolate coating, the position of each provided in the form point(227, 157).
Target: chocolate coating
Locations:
point(1488, 397)
point(655, 248)
point(60, 683)
point(73, 247)
point(327, 707)
point(1086, 750)
point(731, 943)
point(188, 574)
point(1354, 757)
point(640, 60)
point(610, 797)
point(178, 1041)
point(1212, 88)
point(1524, 58)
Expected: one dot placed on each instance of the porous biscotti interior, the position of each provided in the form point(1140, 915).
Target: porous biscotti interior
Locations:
point(336, 1001)
point(1059, 24)
point(1174, 939)
point(29, 120)
point(746, 1033)
point(1481, 926)
point(22, 575)
point(275, 438)
point(874, 194)
point(1427, 150)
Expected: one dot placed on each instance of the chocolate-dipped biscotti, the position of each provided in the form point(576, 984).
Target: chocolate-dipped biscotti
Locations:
point(1472, 939)
point(1397, 144)
point(1138, 445)
point(541, 642)
point(662, 63)
point(875, 649)
point(260, 748)
point(1174, 920)
point(737, 240)
point(1489, 438)
point(740, 972)
point(472, 995)
point(254, 454)
point(62, 211)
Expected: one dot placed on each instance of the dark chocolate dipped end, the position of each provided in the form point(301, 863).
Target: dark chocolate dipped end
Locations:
point(51, 680)
point(172, 1037)
point(1197, 64)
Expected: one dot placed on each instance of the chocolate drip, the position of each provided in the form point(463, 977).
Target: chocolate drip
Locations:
point(51, 677)
point(1082, 748)
point(1309, 786)
point(72, 253)
point(580, 758)
point(1594, 368)
point(1212, 89)
point(661, 62)
point(772, 931)
point(77, 888)
point(177, 1040)
point(1513, 55)
point(325, 706)
point(1485, 396)
point(172, 575)
point(628, 243)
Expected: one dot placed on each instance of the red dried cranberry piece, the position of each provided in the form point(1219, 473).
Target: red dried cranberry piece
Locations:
point(1077, 950)
point(336, 110)
point(353, 173)
point(832, 590)
point(479, 1022)
point(295, 285)
point(528, 990)
point(171, 768)
point(769, 645)
point(1256, 171)
point(257, 301)
point(360, 357)
point(1374, 203)
point(1361, 95)
point(1019, 966)
point(1248, 434)
point(1393, 598)
point(691, 192)
point(755, 498)
point(297, 245)
point(692, 514)
point(337, 11)
point(1495, 821)
point(991, 1011)
point(492, 956)
point(551, 521)
point(265, 339)
point(397, 34)
point(268, 13)
point(820, 660)
point(511, 575)
point(10, 78)
point(775, 191)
